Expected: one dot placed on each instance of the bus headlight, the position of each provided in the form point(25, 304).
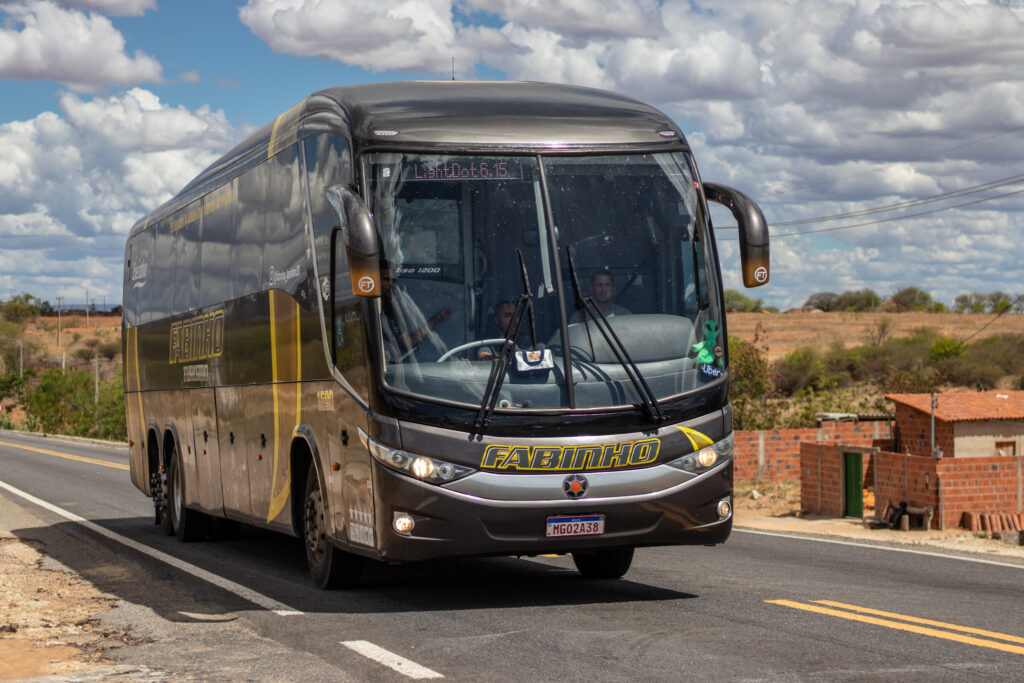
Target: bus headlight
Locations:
point(424, 468)
point(707, 457)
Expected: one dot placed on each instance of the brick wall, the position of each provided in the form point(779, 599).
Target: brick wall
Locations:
point(951, 486)
point(775, 454)
point(979, 485)
point(821, 479)
point(916, 432)
point(906, 477)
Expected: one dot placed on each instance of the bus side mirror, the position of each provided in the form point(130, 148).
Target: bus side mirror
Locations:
point(360, 240)
point(753, 231)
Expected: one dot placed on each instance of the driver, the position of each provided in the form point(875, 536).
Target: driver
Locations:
point(402, 322)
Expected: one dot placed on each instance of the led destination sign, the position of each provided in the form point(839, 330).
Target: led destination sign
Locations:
point(464, 169)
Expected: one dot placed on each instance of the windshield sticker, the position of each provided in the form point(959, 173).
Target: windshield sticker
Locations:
point(504, 458)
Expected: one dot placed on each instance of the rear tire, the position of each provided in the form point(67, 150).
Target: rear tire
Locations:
point(328, 566)
point(188, 525)
point(604, 564)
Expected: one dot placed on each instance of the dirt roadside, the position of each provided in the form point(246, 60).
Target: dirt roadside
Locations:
point(49, 621)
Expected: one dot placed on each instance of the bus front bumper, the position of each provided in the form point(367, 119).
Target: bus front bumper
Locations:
point(450, 523)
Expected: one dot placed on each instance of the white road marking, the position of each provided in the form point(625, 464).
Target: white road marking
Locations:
point(390, 659)
point(809, 537)
point(238, 589)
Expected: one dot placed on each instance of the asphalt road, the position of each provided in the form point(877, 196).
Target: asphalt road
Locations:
point(760, 607)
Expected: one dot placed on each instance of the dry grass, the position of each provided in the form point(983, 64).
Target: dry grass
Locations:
point(780, 333)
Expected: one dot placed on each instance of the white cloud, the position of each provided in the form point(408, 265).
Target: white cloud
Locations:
point(374, 34)
point(586, 18)
point(42, 41)
point(82, 176)
point(131, 8)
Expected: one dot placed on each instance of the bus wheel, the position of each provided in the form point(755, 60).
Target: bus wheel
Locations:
point(329, 566)
point(188, 525)
point(603, 564)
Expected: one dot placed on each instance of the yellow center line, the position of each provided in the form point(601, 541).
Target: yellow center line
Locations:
point(91, 461)
point(921, 630)
point(918, 620)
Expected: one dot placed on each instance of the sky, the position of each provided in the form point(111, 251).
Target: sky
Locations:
point(884, 141)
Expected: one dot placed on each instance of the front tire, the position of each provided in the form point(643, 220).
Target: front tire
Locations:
point(604, 564)
point(188, 525)
point(328, 566)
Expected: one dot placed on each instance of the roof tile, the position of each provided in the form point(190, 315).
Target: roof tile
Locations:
point(962, 406)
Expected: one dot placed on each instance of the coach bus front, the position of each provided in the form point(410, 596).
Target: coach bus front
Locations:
point(548, 342)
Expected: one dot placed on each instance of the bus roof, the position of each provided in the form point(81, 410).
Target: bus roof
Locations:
point(464, 115)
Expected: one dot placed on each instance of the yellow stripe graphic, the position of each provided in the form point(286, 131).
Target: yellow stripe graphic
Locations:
point(138, 389)
point(67, 456)
point(279, 498)
point(921, 630)
point(697, 439)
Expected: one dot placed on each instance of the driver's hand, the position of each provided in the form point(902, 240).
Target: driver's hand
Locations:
point(485, 355)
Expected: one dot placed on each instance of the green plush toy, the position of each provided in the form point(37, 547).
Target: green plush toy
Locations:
point(705, 350)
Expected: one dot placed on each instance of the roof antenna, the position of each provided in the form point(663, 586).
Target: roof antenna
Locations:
point(453, 68)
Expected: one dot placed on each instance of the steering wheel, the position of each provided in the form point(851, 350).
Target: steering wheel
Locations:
point(467, 346)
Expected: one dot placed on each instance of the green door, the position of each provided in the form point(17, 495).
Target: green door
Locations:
point(853, 471)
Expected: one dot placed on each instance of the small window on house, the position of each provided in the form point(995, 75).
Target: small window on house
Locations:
point(1006, 448)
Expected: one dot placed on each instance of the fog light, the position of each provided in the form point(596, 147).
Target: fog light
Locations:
point(724, 509)
point(403, 523)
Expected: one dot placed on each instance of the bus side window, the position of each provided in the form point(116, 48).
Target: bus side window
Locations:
point(248, 234)
point(161, 294)
point(142, 264)
point(285, 264)
point(187, 265)
point(328, 162)
point(215, 284)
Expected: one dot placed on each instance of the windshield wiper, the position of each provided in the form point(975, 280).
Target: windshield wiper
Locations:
point(648, 401)
point(524, 305)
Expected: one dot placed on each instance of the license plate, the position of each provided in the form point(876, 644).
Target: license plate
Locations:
point(587, 525)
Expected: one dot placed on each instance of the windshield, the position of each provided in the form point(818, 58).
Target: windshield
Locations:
point(468, 240)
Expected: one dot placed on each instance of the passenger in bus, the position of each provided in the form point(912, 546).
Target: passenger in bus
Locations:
point(502, 319)
point(602, 290)
point(404, 326)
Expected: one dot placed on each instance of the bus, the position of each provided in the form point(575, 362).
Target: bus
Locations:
point(416, 320)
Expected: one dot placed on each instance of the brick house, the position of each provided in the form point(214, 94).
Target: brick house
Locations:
point(971, 424)
point(977, 467)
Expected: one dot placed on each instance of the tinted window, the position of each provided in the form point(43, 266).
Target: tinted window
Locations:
point(139, 279)
point(328, 162)
point(215, 286)
point(187, 228)
point(247, 246)
point(161, 284)
point(285, 264)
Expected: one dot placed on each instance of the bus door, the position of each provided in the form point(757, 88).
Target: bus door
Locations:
point(205, 491)
point(234, 473)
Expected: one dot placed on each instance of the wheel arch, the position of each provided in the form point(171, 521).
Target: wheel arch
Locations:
point(304, 454)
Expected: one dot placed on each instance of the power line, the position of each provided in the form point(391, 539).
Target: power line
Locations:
point(881, 220)
point(998, 315)
point(962, 192)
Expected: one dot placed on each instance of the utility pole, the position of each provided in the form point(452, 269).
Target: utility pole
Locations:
point(87, 308)
point(59, 298)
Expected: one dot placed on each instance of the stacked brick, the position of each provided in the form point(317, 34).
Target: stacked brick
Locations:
point(994, 522)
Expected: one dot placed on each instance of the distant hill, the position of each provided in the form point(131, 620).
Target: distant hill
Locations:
point(780, 333)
